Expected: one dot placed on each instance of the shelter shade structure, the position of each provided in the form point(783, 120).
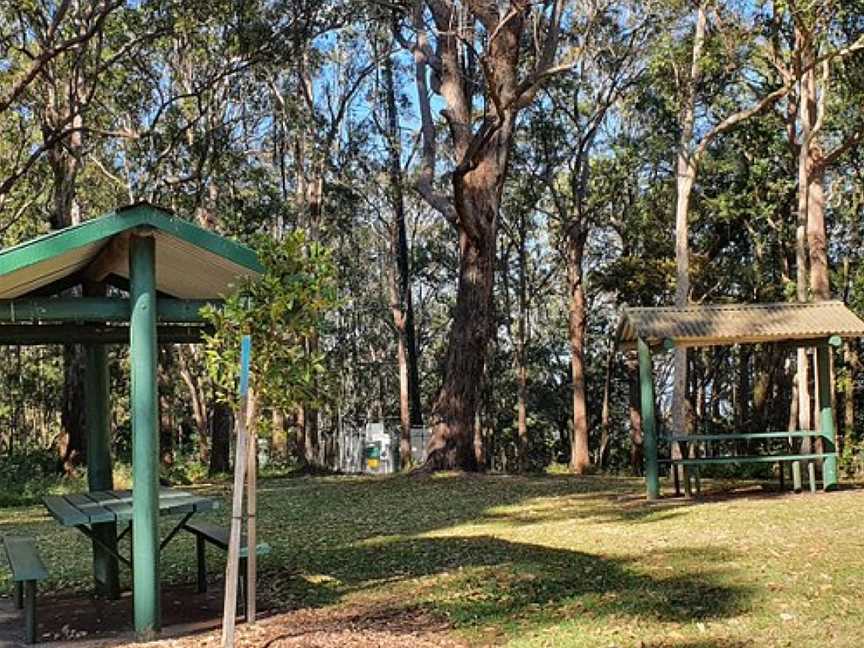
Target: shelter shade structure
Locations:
point(171, 270)
point(821, 325)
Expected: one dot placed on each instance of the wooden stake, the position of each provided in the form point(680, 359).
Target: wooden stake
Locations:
point(251, 507)
point(232, 569)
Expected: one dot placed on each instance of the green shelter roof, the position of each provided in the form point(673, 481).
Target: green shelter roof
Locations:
point(191, 262)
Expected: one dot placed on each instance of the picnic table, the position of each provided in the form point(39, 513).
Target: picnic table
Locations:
point(84, 510)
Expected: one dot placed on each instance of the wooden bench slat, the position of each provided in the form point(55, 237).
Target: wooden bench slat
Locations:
point(182, 504)
point(748, 436)
point(219, 536)
point(746, 459)
point(94, 510)
point(101, 496)
point(64, 512)
point(122, 509)
point(24, 559)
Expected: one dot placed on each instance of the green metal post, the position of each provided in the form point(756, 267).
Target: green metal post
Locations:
point(99, 477)
point(826, 416)
point(145, 449)
point(649, 431)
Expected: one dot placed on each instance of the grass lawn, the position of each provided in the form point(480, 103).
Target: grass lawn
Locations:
point(543, 561)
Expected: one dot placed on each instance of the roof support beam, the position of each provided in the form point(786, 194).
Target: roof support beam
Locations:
point(98, 309)
point(109, 259)
point(34, 335)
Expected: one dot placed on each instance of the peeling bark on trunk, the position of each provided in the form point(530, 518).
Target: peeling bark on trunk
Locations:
point(481, 153)
point(807, 116)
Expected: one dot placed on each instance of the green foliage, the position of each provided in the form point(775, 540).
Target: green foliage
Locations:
point(282, 310)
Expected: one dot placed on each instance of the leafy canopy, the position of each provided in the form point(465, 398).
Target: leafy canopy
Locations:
point(281, 310)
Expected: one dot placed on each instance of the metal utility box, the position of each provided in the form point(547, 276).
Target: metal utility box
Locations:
point(381, 452)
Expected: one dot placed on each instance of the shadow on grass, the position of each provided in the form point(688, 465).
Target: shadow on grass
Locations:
point(484, 580)
point(334, 537)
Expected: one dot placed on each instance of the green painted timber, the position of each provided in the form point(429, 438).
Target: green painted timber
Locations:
point(34, 334)
point(97, 506)
point(99, 469)
point(98, 309)
point(24, 560)
point(649, 430)
point(145, 437)
point(697, 461)
point(101, 229)
point(668, 344)
point(748, 436)
point(218, 536)
point(826, 416)
point(64, 512)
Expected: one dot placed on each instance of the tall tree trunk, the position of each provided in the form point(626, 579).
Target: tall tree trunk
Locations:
point(686, 177)
point(399, 276)
point(220, 441)
point(65, 161)
point(521, 359)
point(198, 401)
point(807, 116)
point(634, 409)
point(279, 450)
point(605, 414)
point(452, 442)
point(482, 154)
point(580, 459)
point(165, 402)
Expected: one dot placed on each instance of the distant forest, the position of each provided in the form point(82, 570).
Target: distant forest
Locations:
point(493, 181)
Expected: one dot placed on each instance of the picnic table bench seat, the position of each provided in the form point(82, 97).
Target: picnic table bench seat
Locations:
point(208, 532)
point(27, 569)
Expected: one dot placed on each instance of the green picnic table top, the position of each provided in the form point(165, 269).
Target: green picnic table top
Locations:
point(116, 506)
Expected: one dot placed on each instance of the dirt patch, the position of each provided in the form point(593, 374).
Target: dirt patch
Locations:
point(194, 620)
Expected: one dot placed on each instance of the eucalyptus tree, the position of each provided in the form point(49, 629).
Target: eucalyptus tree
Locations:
point(399, 272)
point(816, 49)
point(607, 44)
point(487, 62)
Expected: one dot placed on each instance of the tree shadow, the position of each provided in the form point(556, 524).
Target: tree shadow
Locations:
point(484, 580)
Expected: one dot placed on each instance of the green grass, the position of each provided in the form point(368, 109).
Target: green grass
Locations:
point(545, 561)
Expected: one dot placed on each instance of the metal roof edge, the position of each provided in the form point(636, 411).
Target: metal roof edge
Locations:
point(51, 244)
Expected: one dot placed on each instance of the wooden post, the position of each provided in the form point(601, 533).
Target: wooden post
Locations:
point(826, 416)
point(796, 476)
point(251, 508)
point(232, 568)
point(646, 383)
point(99, 477)
point(145, 446)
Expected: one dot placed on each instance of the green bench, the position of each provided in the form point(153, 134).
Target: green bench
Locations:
point(691, 440)
point(207, 532)
point(27, 569)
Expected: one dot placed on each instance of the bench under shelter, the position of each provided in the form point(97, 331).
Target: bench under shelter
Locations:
point(820, 326)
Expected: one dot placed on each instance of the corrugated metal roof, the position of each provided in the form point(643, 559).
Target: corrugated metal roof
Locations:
point(737, 323)
point(191, 262)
